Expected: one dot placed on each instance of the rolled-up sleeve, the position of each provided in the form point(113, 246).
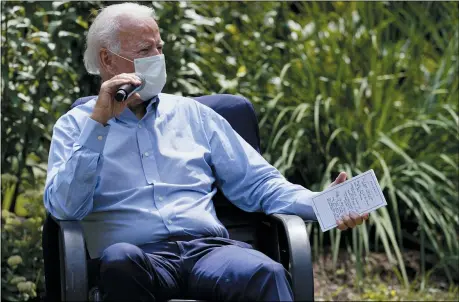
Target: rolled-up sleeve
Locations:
point(74, 163)
point(246, 178)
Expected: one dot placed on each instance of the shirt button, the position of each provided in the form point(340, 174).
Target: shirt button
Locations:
point(169, 221)
point(140, 126)
point(160, 198)
point(146, 154)
point(100, 137)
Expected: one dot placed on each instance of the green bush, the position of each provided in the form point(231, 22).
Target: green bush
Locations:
point(337, 86)
point(22, 259)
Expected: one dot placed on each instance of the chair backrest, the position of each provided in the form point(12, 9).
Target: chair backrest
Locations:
point(239, 112)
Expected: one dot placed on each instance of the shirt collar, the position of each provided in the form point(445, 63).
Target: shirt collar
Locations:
point(153, 103)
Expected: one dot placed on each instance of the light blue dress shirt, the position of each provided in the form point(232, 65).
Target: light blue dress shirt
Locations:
point(140, 181)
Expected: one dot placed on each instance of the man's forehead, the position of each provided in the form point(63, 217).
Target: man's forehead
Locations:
point(147, 25)
point(139, 30)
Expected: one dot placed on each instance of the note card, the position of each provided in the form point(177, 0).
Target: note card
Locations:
point(360, 194)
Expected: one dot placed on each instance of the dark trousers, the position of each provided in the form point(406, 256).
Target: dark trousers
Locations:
point(215, 269)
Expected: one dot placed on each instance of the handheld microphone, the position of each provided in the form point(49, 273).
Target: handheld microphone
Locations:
point(126, 90)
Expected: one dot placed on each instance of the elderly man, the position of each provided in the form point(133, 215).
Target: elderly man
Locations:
point(140, 175)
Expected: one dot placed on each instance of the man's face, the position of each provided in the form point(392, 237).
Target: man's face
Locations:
point(138, 39)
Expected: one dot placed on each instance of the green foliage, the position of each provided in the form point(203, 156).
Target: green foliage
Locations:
point(337, 86)
point(22, 259)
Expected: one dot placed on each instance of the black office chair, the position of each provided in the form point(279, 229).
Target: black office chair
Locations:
point(284, 238)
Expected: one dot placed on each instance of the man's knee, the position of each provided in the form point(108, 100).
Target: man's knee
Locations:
point(120, 258)
point(258, 264)
point(265, 279)
point(221, 273)
point(272, 269)
point(271, 282)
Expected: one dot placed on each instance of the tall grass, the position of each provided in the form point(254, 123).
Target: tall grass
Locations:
point(344, 87)
point(384, 109)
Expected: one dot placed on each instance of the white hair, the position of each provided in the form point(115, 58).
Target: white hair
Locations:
point(104, 31)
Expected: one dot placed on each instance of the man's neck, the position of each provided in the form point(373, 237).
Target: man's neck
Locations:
point(139, 109)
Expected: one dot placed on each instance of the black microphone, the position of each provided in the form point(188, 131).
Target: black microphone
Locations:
point(125, 91)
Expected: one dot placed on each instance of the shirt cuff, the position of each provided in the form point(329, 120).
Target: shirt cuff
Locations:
point(93, 135)
point(303, 206)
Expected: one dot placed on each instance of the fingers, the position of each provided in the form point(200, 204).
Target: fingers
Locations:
point(114, 84)
point(366, 216)
point(341, 225)
point(131, 76)
point(351, 221)
point(118, 80)
point(348, 221)
point(341, 178)
point(358, 220)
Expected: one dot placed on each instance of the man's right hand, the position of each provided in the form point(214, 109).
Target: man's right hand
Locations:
point(106, 106)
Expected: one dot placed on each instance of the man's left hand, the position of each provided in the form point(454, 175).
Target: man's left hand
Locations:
point(353, 219)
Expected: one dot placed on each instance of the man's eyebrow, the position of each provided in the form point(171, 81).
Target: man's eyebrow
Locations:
point(142, 44)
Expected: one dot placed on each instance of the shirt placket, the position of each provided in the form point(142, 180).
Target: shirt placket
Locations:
point(148, 156)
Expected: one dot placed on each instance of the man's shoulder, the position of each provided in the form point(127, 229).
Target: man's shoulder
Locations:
point(78, 115)
point(171, 100)
point(83, 108)
point(169, 103)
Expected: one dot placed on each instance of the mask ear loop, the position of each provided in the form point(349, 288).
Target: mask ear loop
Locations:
point(120, 56)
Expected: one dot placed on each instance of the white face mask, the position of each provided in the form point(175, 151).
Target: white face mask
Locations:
point(153, 70)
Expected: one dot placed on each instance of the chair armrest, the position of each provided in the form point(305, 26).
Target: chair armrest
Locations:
point(72, 252)
point(299, 255)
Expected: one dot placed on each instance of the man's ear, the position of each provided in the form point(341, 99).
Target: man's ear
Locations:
point(106, 61)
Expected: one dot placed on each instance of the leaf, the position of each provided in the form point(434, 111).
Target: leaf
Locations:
point(241, 72)
point(437, 173)
point(325, 180)
point(316, 121)
point(449, 161)
point(389, 143)
point(190, 89)
point(80, 21)
point(272, 103)
point(195, 68)
point(452, 113)
point(284, 70)
point(64, 33)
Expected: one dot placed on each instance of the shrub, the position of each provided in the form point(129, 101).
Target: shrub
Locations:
point(22, 259)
